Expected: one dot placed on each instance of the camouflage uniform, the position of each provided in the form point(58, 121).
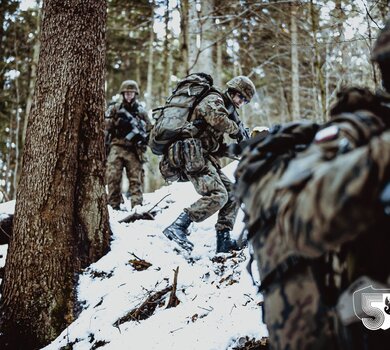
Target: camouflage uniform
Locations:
point(295, 217)
point(212, 117)
point(214, 187)
point(124, 154)
point(312, 198)
point(337, 212)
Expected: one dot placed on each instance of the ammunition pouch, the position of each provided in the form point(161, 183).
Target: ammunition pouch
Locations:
point(175, 154)
point(187, 155)
point(168, 172)
point(194, 161)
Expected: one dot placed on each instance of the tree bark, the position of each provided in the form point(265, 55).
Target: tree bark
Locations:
point(201, 37)
point(167, 59)
point(184, 37)
point(33, 74)
point(317, 62)
point(61, 218)
point(149, 83)
point(294, 65)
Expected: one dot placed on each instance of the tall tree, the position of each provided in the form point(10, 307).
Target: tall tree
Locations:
point(184, 6)
point(294, 64)
point(61, 219)
point(201, 36)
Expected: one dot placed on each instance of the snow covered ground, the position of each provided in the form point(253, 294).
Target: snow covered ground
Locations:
point(219, 304)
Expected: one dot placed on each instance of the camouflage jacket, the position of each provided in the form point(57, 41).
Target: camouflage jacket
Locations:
point(289, 211)
point(113, 125)
point(213, 111)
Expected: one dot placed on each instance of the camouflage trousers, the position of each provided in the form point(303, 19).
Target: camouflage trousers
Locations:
point(296, 317)
point(217, 194)
point(119, 158)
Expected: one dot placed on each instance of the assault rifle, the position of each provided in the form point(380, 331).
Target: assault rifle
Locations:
point(134, 128)
point(243, 133)
point(243, 138)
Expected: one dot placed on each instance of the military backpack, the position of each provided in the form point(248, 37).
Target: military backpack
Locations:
point(173, 118)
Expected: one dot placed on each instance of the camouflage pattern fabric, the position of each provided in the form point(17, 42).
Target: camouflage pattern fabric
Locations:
point(243, 85)
point(124, 154)
point(305, 203)
point(214, 186)
point(357, 177)
point(296, 316)
point(213, 111)
point(339, 211)
point(217, 194)
point(111, 121)
point(119, 158)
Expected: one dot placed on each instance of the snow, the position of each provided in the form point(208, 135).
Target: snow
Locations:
point(219, 304)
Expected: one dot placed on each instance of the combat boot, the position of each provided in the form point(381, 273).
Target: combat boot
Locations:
point(177, 231)
point(225, 243)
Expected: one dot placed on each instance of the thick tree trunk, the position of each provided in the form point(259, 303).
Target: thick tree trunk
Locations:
point(184, 37)
point(61, 219)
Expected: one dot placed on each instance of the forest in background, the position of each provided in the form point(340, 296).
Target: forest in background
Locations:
point(298, 54)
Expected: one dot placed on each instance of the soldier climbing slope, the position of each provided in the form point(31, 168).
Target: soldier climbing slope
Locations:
point(127, 127)
point(193, 155)
point(316, 203)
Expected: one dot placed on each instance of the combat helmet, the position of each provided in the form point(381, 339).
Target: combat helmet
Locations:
point(381, 54)
point(129, 86)
point(243, 85)
point(381, 50)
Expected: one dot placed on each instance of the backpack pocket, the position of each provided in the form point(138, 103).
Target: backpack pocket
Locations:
point(193, 157)
point(168, 172)
point(175, 154)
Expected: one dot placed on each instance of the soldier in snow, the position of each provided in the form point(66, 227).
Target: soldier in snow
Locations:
point(127, 126)
point(316, 200)
point(215, 115)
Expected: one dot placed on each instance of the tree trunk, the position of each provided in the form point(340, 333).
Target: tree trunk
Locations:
point(184, 37)
point(61, 218)
point(149, 83)
point(167, 61)
point(320, 81)
point(201, 36)
point(294, 65)
point(15, 177)
point(33, 74)
point(218, 65)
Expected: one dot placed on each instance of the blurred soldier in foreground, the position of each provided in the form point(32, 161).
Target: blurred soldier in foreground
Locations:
point(316, 200)
point(127, 126)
